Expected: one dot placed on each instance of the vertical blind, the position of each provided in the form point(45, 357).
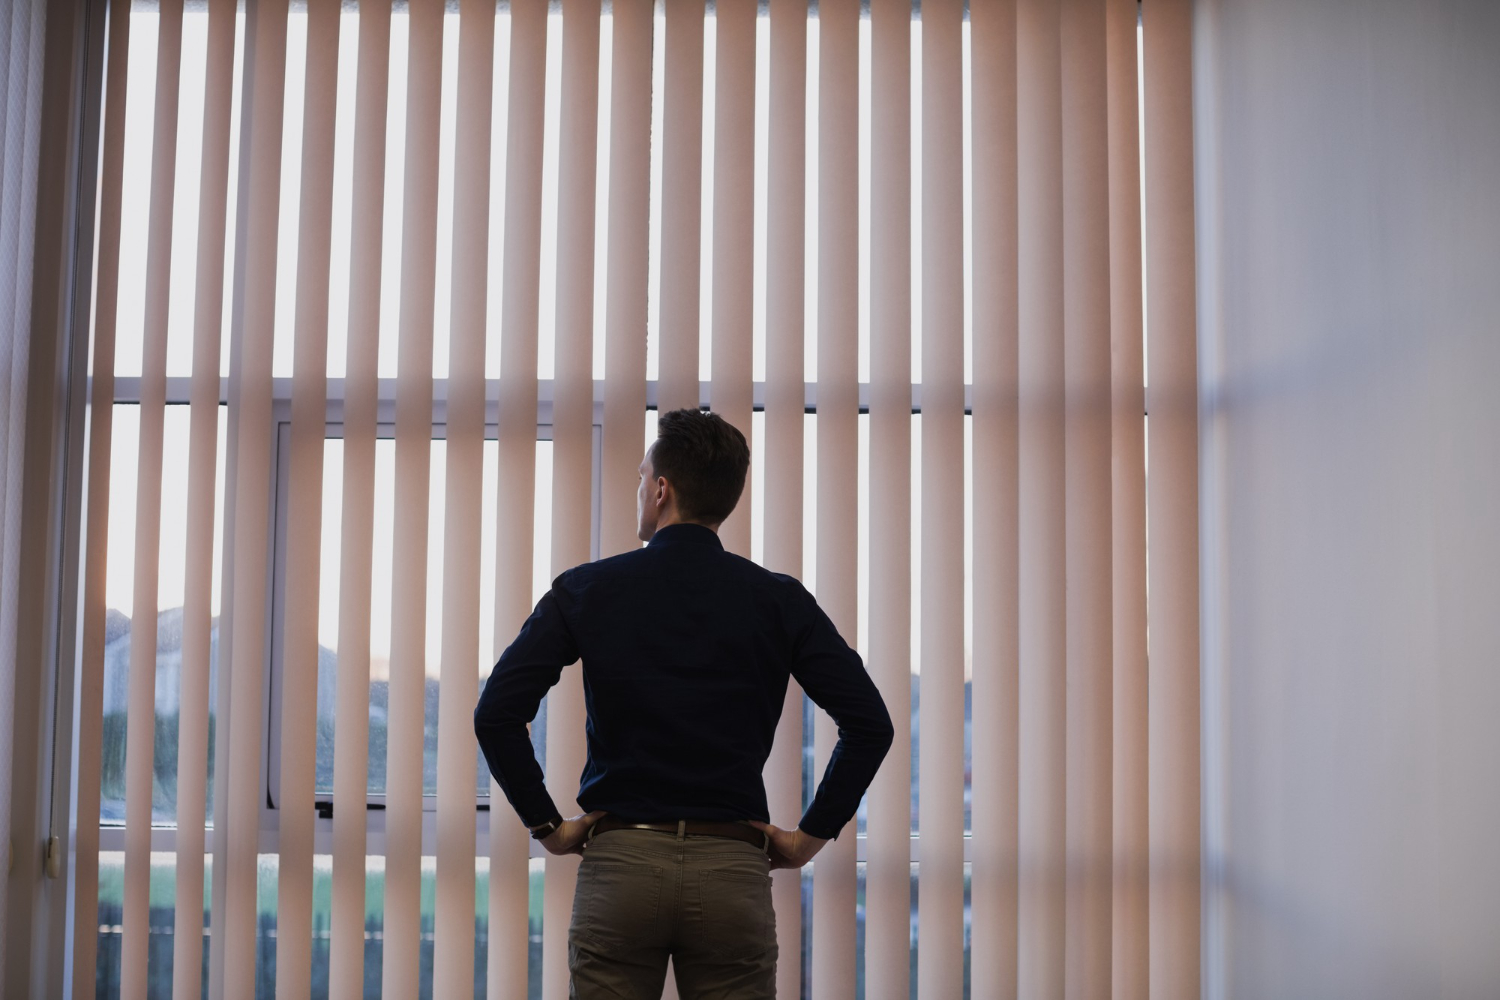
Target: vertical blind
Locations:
point(413, 281)
point(22, 26)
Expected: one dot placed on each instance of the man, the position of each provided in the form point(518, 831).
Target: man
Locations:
point(687, 650)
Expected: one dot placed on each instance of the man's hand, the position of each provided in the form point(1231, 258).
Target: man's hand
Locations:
point(568, 838)
point(789, 848)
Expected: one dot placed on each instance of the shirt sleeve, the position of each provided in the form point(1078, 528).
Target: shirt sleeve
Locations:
point(834, 676)
point(511, 696)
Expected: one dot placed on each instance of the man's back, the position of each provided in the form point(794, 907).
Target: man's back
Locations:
point(686, 652)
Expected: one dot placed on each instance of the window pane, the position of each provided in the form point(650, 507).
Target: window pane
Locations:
point(119, 591)
point(380, 612)
point(171, 587)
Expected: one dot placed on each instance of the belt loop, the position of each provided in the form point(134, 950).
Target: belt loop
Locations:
point(766, 841)
point(681, 828)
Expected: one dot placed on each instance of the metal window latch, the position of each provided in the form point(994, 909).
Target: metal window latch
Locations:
point(54, 857)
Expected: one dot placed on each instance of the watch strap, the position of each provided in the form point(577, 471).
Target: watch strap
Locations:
point(544, 830)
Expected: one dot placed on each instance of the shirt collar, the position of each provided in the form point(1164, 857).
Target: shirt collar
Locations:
point(687, 533)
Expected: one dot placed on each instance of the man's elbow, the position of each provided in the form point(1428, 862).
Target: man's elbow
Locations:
point(885, 735)
point(494, 719)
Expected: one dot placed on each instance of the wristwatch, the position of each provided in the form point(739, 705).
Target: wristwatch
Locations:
point(545, 830)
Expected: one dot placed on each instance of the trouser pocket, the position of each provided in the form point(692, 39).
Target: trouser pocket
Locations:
point(738, 917)
point(617, 904)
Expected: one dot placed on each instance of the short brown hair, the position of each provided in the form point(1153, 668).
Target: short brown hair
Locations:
point(705, 458)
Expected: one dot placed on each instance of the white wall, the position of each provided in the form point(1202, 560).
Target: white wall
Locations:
point(1349, 201)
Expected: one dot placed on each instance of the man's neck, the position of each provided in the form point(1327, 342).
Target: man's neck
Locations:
point(669, 520)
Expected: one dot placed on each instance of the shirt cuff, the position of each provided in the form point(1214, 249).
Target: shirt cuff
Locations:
point(820, 828)
point(540, 812)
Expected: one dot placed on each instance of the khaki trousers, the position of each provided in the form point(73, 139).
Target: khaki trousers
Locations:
point(644, 895)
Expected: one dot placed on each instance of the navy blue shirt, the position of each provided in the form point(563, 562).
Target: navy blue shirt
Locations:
point(686, 651)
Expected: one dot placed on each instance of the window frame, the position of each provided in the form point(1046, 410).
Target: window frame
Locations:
point(374, 801)
point(127, 392)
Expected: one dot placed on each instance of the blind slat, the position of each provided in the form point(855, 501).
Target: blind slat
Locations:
point(1129, 920)
point(940, 920)
point(251, 408)
point(1086, 363)
point(734, 236)
point(833, 971)
point(785, 395)
point(888, 822)
point(509, 844)
point(625, 307)
point(408, 678)
point(1172, 503)
point(453, 947)
point(572, 436)
point(22, 40)
point(994, 692)
point(1041, 478)
point(351, 756)
point(203, 445)
point(141, 704)
point(300, 649)
point(96, 523)
point(681, 212)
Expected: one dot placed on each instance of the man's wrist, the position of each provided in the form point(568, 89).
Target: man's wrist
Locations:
point(542, 831)
point(814, 842)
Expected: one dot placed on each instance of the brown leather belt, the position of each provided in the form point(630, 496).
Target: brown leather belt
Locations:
point(734, 830)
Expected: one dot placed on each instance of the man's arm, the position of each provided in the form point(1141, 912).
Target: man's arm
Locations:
point(834, 676)
point(527, 669)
